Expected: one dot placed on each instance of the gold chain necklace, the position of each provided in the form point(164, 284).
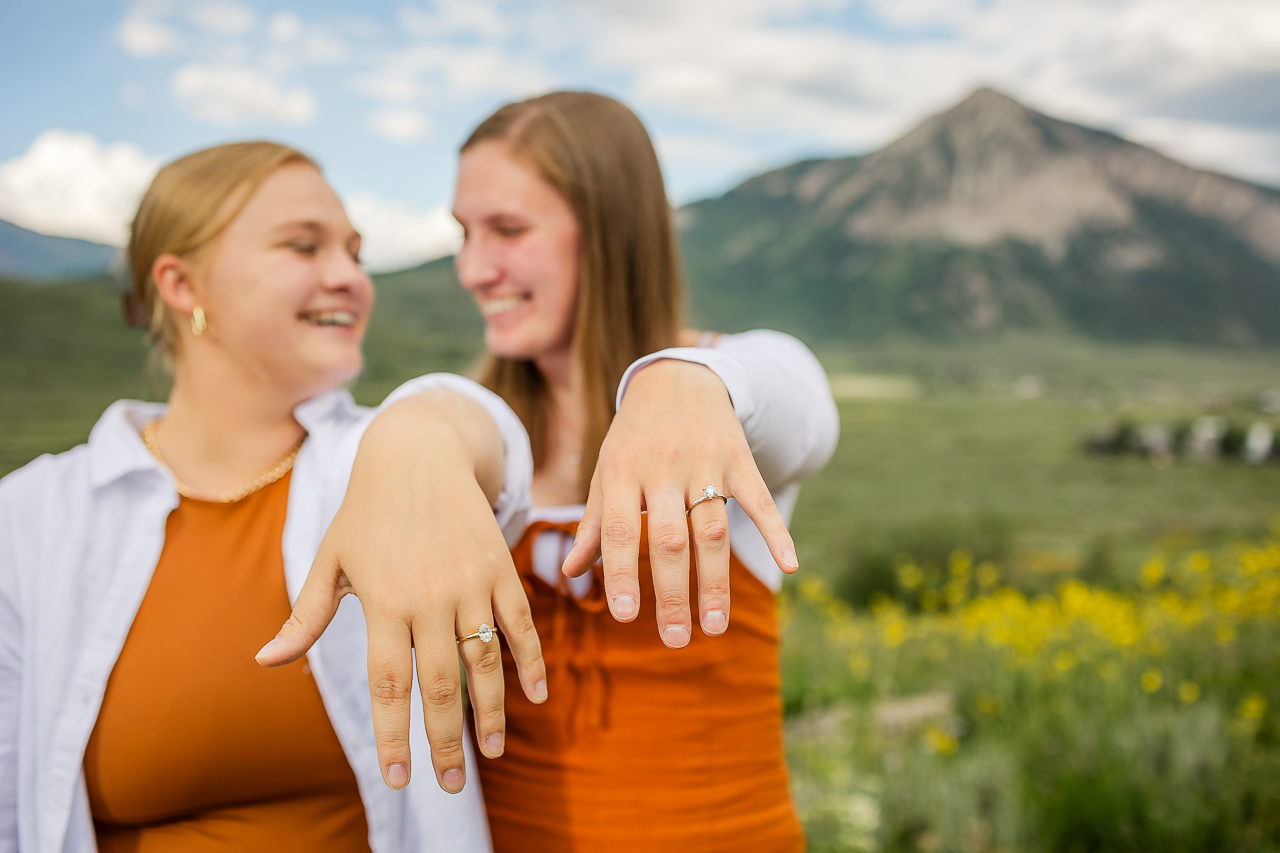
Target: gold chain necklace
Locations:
point(266, 478)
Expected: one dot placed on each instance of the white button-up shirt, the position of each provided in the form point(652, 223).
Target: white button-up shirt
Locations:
point(81, 534)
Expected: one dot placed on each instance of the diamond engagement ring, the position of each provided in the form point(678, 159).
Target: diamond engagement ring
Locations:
point(709, 493)
point(484, 635)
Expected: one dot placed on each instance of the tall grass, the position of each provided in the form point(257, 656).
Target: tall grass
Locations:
point(1086, 719)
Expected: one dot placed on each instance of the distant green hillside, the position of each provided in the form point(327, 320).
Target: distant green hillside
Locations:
point(986, 218)
point(65, 353)
point(26, 254)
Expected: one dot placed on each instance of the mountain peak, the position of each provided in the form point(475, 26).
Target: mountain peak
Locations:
point(1010, 188)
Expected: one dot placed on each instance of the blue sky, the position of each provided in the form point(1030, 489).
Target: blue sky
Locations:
point(99, 92)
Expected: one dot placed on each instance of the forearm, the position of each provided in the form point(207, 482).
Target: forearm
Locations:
point(441, 431)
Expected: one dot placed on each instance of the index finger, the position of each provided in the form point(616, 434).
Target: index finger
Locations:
point(620, 546)
point(749, 490)
point(390, 686)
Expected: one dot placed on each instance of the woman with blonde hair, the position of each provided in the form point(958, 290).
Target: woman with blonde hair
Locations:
point(140, 573)
point(571, 256)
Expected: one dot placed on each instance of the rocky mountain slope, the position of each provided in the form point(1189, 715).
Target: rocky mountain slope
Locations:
point(992, 216)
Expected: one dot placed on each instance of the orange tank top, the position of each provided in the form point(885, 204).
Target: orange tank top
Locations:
point(196, 747)
point(641, 747)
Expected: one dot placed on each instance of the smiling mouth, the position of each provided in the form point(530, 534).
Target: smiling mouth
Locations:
point(345, 319)
point(492, 307)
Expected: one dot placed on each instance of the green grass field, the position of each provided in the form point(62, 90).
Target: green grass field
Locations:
point(907, 729)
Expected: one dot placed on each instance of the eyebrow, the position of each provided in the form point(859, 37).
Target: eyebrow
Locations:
point(315, 227)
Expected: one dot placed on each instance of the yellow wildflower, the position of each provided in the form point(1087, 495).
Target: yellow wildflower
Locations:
point(1152, 573)
point(940, 741)
point(1188, 692)
point(1253, 706)
point(1152, 680)
point(990, 705)
point(910, 576)
point(1065, 661)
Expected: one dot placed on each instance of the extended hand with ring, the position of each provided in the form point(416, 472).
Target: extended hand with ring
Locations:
point(675, 432)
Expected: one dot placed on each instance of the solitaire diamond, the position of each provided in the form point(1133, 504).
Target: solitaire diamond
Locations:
point(486, 633)
point(709, 492)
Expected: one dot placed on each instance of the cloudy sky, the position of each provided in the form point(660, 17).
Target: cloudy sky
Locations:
point(98, 93)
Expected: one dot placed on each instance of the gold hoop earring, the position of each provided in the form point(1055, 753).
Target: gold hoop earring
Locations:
point(198, 323)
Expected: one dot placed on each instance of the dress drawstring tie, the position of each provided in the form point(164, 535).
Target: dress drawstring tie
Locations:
point(579, 670)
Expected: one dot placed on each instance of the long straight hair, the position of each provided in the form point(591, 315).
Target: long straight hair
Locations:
point(595, 152)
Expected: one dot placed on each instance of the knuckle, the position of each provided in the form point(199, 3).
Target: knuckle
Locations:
point(618, 531)
point(521, 628)
point(669, 543)
point(440, 692)
point(713, 531)
point(714, 588)
point(392, 744)
point(447, 749)
point(673, 603)
point(619, 576)
point(390, 690)
point(765, 502)
point(488, 662)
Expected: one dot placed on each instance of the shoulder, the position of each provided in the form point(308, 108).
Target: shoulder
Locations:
point(30, 486)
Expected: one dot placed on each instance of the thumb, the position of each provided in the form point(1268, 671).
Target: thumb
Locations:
point(312, 612)
point(586, 542)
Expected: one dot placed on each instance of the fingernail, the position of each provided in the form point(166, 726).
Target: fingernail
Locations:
point(789, 559)
point(540, 690)
point(714, 622)
point(493, 743)
point(397, 776)
point(266, 650)
point(624, 606)
point(453, 780)
point(675, 636)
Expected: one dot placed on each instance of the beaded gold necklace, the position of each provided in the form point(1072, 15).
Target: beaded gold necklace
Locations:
point(266, 478)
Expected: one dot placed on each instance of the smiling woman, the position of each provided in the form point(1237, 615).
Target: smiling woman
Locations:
point(140, 574)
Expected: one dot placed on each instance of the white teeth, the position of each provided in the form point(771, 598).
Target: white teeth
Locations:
point(332, 318)
point(490, 307)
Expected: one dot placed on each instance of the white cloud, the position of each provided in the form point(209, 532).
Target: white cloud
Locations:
point(398, 236)
point(229, 95)
point(224, 17)
point(1244, 153)
point(284, 26)
point(400, 125)
point(144, 36)
point(72, 185)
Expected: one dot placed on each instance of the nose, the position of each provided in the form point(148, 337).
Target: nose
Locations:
point(341, 273)
point(475, 265)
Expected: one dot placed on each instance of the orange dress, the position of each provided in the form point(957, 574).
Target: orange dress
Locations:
point(197, 748)
point(640, 747)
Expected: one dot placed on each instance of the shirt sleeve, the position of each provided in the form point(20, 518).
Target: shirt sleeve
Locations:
point(780, 394)
point(516, 497)
point(10, 677)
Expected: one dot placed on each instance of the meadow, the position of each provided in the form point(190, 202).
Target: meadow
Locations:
point(997, 642)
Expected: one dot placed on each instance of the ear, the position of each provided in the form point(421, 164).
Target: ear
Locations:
point(175, 284)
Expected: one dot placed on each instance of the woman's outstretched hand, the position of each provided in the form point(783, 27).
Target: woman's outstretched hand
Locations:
point(416, 541)
point(675, 433)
